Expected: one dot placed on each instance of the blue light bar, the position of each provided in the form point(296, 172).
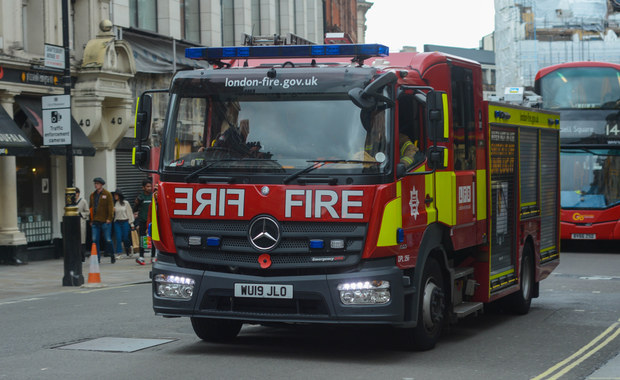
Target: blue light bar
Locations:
point(213, 241)
point(288, 51)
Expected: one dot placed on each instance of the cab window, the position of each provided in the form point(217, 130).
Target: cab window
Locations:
point(463, 121)
point(410, 141)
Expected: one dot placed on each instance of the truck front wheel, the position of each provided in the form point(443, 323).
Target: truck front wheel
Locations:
point(216, 330)
point(431, 309)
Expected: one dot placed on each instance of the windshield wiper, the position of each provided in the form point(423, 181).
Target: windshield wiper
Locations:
point(204, 168)
point(200, 170)
point(319, 163)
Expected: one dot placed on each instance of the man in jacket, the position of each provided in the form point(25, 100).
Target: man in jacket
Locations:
point(102, 215)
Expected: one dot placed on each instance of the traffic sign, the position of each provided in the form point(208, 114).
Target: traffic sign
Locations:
point(56, 119)
point(54, 56)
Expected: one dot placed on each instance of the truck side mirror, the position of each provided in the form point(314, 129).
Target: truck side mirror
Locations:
point(143, 118)
point(142, 130)
point(141, 156)
point(368, 98)
point(437, 157)
point(435, 115)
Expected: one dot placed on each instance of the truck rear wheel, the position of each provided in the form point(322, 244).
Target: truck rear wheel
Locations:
point(216, 330)
point(520, 301)
point(431, 309)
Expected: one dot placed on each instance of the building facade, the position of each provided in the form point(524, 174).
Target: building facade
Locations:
point(533, 34)
point(118, 49)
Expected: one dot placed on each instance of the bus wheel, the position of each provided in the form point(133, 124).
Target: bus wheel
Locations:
point(431, 308)
point(216, 330)
point(520, 301)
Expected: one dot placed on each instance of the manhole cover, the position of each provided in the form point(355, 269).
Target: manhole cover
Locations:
point(110, 344)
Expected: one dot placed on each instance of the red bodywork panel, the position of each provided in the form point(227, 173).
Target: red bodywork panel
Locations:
point(605, 224)
point(357, 204)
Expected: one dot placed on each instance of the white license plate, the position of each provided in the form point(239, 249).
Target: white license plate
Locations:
point(583, 236)
point(264, 291)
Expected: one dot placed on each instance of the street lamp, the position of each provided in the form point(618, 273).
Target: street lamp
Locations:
point(71, 220)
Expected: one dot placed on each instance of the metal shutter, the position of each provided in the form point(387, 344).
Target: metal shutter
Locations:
point(528, 164)
point(548, 191)
point(128, 177)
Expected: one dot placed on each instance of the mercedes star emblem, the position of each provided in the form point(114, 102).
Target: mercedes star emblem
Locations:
point(264, 233)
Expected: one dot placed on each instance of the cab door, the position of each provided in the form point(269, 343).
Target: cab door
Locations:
point(414, 188)
point(464, 157)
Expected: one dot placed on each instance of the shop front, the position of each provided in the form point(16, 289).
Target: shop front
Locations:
point(38, 182)
point(13, 142)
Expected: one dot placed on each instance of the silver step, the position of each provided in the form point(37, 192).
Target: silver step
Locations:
point(464, 309)
point(463, 272)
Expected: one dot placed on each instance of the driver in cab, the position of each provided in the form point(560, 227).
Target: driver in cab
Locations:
point(375, 147)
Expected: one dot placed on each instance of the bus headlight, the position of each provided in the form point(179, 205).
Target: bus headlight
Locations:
point(175, 287)
point(364, 292)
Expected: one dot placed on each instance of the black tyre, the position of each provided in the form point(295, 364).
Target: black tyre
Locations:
point(431, 309)
point(216, 330)
point(520, 302)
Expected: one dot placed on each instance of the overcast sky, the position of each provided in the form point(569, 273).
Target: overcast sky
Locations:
point(398, 23)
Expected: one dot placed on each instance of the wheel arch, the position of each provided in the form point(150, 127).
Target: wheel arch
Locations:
point(433, 245)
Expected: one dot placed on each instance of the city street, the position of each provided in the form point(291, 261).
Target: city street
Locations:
point(577, 305)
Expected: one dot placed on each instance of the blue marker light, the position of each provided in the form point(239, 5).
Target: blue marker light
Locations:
point(316, 243)
point(213, 241)
point(288, 51)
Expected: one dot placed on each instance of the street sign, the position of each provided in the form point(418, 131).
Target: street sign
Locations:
point(56, 119)
point(54, 56)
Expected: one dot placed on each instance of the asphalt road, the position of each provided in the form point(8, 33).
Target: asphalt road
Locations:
point(578, 304)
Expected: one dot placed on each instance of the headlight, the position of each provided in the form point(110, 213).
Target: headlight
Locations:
point(176, 287)
point(364, 292)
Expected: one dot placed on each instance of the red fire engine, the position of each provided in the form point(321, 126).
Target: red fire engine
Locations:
point(343, 184)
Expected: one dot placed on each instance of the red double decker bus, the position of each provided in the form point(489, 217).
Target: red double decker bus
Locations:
point(587, 95)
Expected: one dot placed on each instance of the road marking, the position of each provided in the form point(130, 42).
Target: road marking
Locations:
point(19, 301)
point(585, 352)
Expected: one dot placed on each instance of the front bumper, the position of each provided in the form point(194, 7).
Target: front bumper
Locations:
point(315, 299)
point(596, 231)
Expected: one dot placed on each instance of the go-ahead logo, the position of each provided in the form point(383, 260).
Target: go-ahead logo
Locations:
point(579, 217)
point(264, 233)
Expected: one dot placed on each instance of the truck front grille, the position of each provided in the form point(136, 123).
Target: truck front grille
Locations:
point(292, 252)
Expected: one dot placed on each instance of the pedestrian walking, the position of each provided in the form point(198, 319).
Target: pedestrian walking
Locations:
point(123, 223)
point(84, 213)
point(141, 207)
point(102, 215)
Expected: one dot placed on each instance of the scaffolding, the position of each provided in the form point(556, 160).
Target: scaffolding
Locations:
point(532, 34)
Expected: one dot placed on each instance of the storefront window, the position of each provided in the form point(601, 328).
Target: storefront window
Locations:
point(34, 197)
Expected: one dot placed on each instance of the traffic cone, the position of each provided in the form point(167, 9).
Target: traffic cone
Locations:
point(94, 277)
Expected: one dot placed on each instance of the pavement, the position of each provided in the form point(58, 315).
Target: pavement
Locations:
point(44, 277)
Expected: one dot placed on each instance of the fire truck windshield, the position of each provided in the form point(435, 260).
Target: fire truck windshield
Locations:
point(590, 178)
point(272, 133)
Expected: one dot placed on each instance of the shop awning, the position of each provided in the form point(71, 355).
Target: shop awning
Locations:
point(80, 143)
point(154, 54)
point(13, 141)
